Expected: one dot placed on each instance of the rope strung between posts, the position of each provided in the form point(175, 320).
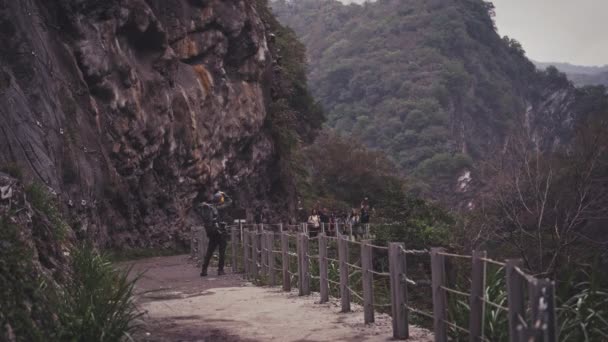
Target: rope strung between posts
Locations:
point(290, 235)
point(497, 263)
point(498, 306)
point(354, 266)
point(354, 293)
point(333, 282)
point(418, 312)
point(455, 291)
point(413, 251)
point(355, 242)
point(456, 327)
point(527, 277)
point(384, 274)
point(378, 247)
point(405, 279)
point(455, 255)
point(332, 259)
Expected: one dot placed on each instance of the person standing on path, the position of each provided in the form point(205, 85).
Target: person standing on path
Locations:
point(215, 229)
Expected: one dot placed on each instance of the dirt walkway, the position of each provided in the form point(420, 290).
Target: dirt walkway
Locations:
point(181, 306)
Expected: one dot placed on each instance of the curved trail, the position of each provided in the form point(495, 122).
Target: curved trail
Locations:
point(181, 306)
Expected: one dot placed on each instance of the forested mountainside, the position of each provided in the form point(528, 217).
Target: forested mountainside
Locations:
point(128, 110)
point(580, 75)
point(431, 83)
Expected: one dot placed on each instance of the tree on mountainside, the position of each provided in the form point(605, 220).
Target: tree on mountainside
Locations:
point(429, 83)
point(549, 207)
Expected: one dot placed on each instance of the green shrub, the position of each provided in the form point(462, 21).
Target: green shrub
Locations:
point(42, 201)
point(97, 304)
point(584, 315)
point(12, 170)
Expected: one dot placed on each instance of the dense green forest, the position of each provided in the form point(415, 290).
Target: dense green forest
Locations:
point(430, 83)
point(425, 100)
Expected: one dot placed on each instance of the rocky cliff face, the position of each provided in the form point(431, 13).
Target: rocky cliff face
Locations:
point(128, 110)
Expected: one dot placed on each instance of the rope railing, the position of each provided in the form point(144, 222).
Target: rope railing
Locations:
point(497, 306)
point(419, 312)
point(358, 279)
point(382, 274)
point(497, 263)
point(447, 289)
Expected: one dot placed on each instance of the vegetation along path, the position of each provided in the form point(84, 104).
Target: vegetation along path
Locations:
point(181, 306)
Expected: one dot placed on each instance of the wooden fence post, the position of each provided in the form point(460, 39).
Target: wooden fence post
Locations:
point(323, 276)
point(246, 250)
point(299, 257)
point(253, 237)
point(271, 258)
point(241, 230)
point(536, 299)
point(368, 281)
point(542, 310)
point(285, 262)
point(305, 266)
point(476, 304)
point(398, 275)
point(343, 258)
point(439, 295)
point(234, 244)
point(551, 320)
point(264, 242)
point(515, 298)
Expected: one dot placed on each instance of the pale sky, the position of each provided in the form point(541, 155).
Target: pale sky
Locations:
point(572, 31)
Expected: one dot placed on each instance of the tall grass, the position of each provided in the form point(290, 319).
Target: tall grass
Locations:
point(97, 304)
point(584, 316)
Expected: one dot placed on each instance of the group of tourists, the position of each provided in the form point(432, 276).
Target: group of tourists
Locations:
point(320, 219)
point(330, 221)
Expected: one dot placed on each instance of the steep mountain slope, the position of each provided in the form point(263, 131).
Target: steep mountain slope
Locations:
point(128, 110)
point(429, 82)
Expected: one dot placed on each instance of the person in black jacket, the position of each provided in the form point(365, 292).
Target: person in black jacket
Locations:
point(215, 229)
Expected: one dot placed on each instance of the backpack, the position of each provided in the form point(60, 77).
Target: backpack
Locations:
point(364, 216)
point(209, 215)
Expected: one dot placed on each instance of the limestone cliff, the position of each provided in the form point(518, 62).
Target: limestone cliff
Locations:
point(128, 110)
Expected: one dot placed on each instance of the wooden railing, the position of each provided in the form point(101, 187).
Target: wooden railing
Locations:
point(267, 252)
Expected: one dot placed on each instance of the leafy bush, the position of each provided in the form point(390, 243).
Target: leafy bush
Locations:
point(97, 304)
point(42, 201)
point(12, 170)
point(584, 315)
point(20, 285)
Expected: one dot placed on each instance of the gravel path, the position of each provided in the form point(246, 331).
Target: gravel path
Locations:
point(181, 306)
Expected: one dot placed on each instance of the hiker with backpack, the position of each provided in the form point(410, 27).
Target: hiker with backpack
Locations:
point(216, 229)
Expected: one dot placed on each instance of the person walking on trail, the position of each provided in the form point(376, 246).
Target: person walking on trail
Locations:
point(215, 229)
point(314, 223)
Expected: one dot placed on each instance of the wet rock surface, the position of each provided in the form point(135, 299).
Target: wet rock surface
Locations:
point(127, 110)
